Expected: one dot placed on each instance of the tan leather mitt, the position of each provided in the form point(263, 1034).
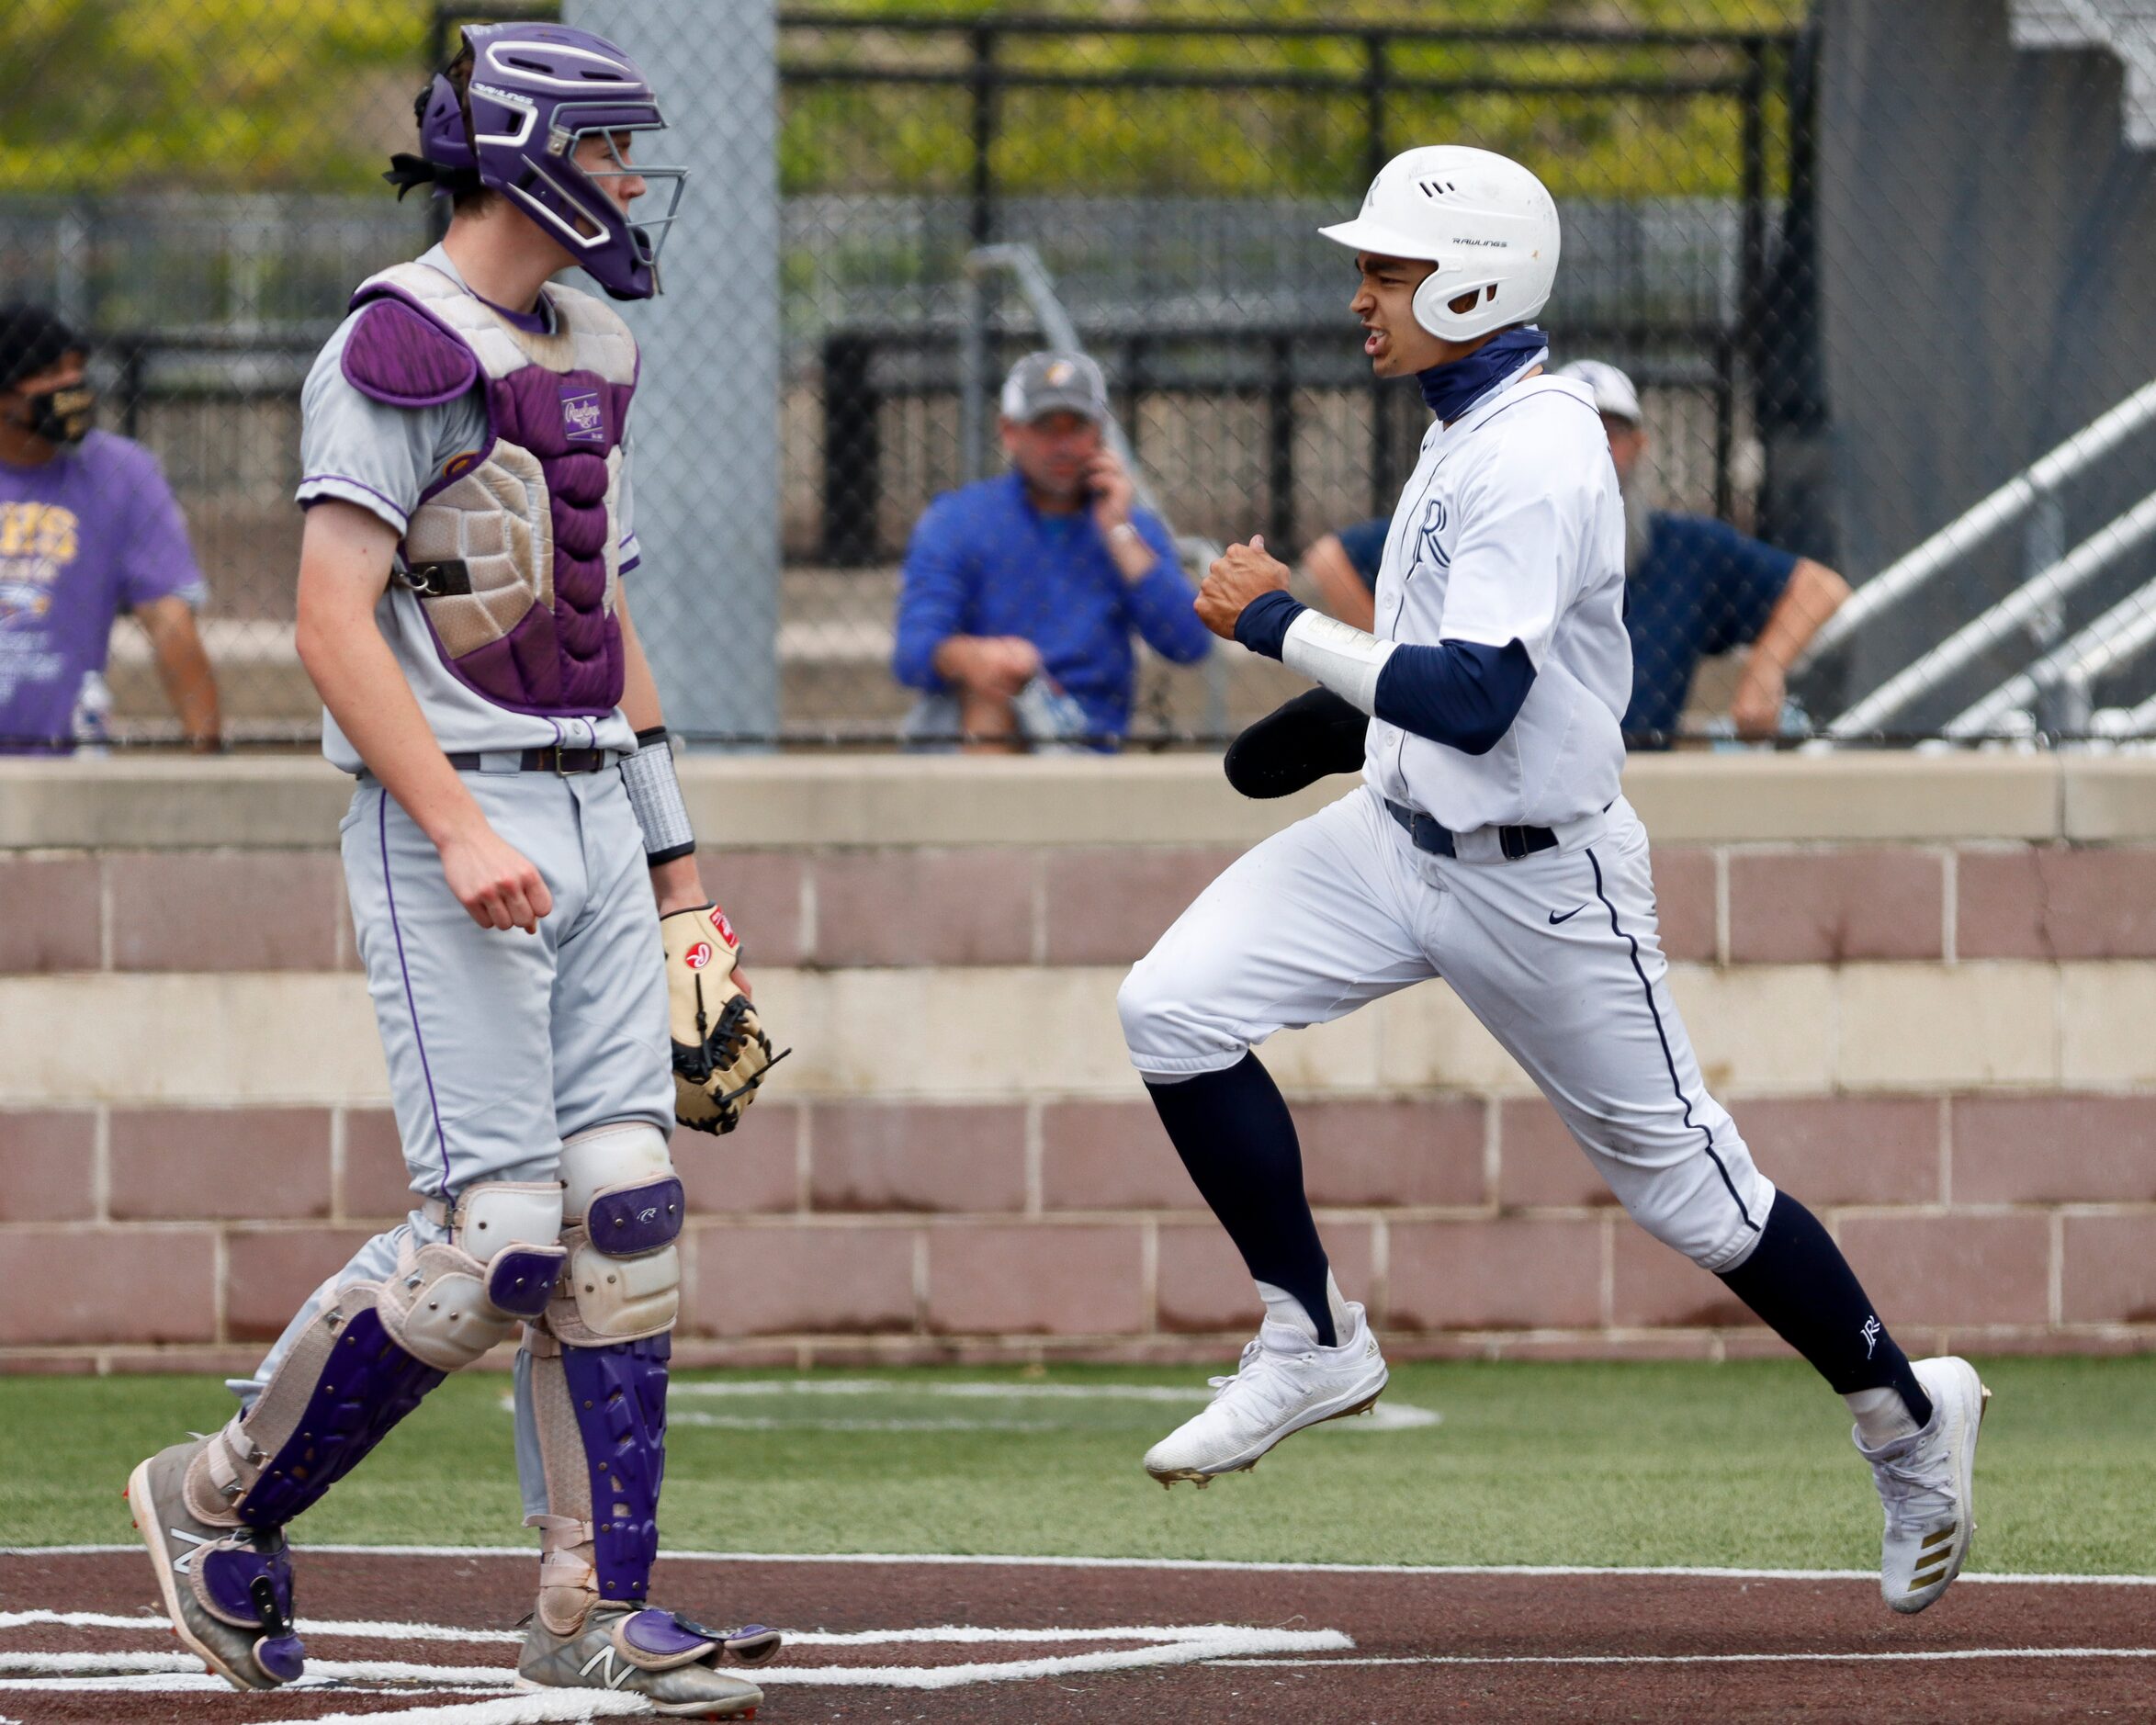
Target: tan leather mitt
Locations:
point(720, 1052)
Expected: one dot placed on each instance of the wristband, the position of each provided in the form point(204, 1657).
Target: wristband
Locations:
point(655, 794)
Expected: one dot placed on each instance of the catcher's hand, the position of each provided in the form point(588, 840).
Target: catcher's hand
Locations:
point(720, 1052)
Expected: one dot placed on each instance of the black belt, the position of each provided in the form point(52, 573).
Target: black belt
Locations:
point(1427, 834)
point(551, 758)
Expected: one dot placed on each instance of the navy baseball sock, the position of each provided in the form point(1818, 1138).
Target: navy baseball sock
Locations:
point(1799, 1282)
point(1232, 1131)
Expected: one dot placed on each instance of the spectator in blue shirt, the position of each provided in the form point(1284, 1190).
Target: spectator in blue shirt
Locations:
point(1020, 594)
point(1696, 587)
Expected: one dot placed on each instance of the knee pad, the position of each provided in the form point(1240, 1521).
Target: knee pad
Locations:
point(622, 1208)
point(449, 1303)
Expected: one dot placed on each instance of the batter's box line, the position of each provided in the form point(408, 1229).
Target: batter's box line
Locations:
point(1908, 1655)
point(1163, 1645)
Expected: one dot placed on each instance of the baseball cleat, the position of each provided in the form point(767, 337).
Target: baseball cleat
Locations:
point(662, 1657)
point(1283, 1382)
point(1927, 1484)
point(228, 1590)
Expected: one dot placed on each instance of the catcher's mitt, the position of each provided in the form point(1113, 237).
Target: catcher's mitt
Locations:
point(720, 1052)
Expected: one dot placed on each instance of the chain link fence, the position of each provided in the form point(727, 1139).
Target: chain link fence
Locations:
point(1852, 272)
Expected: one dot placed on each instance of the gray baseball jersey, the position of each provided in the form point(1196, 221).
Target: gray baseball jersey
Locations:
point(383, 458)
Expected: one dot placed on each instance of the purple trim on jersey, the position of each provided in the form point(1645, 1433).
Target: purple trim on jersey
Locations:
point(411, 1005)
point(531, 322)
point(400, 355)
point(338, 478)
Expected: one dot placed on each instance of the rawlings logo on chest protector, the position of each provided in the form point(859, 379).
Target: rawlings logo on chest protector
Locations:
point(583, 418)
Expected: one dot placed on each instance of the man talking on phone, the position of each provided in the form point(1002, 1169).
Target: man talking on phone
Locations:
point(1020, 594)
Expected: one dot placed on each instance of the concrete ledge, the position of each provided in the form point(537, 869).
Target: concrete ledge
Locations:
point(891, 800)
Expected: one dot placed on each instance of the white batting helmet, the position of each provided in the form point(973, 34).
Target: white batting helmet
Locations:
point(1487, 224)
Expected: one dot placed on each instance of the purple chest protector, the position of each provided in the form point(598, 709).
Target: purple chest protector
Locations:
point(513, 552)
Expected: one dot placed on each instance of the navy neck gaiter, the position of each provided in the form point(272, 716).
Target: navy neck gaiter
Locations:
point(1451, 389)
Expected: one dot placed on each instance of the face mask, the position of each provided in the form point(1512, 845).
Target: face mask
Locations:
point(64, 416)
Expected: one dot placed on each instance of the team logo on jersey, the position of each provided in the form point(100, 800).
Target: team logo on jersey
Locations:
point(584, 419)
point(1426, 549)
point(698, 955)
point(725, 929)
point(457, 467)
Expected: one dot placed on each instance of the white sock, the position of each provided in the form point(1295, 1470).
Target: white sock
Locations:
point(1282, 1307)
point(1881, 1416)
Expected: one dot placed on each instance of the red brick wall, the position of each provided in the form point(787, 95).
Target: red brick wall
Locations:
point(848, 1227)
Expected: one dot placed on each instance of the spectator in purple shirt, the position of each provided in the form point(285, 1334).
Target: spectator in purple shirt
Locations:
point(88, 528)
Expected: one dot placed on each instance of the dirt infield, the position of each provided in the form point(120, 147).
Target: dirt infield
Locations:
point(428, 1637)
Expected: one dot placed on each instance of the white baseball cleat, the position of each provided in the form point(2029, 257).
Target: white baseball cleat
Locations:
point(1927, 1484)
point(1284, 1381)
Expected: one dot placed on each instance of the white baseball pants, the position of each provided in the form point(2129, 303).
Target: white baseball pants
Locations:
point(1556, 954)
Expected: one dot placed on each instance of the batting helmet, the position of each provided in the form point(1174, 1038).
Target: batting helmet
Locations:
point(535, 90)
point(1487, 224)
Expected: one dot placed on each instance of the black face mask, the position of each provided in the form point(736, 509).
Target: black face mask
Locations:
point(64, 416)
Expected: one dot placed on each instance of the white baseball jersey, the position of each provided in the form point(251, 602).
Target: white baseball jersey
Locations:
point(1511, 529)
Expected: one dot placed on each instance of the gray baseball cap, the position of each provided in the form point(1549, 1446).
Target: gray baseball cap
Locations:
point(1040, 384)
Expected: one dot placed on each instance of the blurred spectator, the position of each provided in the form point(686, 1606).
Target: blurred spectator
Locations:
point(1343, 567)
point(1020, 594)
point(1696, 587)
point(88, 528)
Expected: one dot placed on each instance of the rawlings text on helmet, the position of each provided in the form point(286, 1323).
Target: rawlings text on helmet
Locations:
point(1486, 223)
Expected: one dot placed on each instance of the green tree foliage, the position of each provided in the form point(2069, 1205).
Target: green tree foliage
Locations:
point(1668, 136)
point(111, 95)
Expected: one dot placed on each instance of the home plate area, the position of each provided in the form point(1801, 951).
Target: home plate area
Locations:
point(429, 1635)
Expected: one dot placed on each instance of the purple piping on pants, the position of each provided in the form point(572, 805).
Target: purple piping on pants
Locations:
point(410, 1005)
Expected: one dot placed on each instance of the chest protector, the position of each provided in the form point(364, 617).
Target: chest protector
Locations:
point(515, 550)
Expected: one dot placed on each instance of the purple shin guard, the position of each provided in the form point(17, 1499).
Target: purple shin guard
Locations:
point(250, 1580)
point(367, 1384)
point(619, 1396)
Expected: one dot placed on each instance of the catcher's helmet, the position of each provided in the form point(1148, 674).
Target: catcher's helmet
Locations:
point(536, 89)
point(1487, 224)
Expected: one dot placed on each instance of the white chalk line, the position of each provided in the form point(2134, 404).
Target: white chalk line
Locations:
point(946, 1634)
point(1704, 1659)
point(1159, 1645)
point(1678, 1572)
point(1387, 1417)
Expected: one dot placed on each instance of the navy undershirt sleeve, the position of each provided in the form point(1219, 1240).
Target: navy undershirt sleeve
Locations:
point(1462, 693)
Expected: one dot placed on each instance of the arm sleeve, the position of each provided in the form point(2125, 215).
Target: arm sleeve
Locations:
point(1463, 693)
point(932, 597)
point(158, 562)
point(1159, 602)
point(1745, 580)
point(357, 449)
point(1365, 545)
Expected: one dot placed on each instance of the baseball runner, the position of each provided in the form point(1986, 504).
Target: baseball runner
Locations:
point(553, 986)
point(1489, 844)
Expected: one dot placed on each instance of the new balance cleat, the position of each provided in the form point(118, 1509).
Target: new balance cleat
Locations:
point(1284, 1382)
point(228, 1589)
point(1927, 1486)
point(664, 1657)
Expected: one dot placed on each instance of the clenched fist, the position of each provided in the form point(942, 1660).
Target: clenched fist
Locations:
point(1237, 575)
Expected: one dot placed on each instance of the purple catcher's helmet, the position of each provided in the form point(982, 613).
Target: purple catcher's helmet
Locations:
point(535, 90)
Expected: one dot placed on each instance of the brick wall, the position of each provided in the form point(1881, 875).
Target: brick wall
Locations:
point(1938, 1038)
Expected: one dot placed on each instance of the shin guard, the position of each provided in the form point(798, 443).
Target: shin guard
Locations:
point(600, 1413)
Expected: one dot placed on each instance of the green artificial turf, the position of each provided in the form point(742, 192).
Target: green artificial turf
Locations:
point(1742, 1464)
